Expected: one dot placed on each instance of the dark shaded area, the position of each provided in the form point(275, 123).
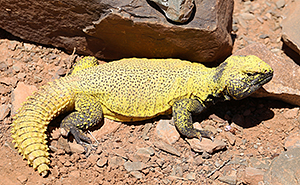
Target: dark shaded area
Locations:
point(231, 111)
point(291, 53)
point(6, 35)
point(246, 113)
point(233, 38)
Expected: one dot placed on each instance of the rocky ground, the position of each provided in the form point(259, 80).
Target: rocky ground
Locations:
point(250, 134)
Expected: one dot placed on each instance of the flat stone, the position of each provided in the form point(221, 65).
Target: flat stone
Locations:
point(4, 111)
point(216, 118)
point(210, 128)
point(116, 161)
point(146, 151)
point(284, 169)
point(108, 127)
point(134, 166)
point(230, 137)
point(206, 145)
point(3, 66)
point(253, 175)
point(293, 140)
point(228, 179)
point(21, 75)
point(28, 47)
point(167, 132)
point(247, 16)
point(198, 160)
point(280, 4)
point(76, 148)
point(118, 29)
point(137, 174)
point(62, 158)
point(191, 176)
point(93, 158)
point(61, 71)
point(101, 162)
point(291, 26)
point(144, 154)
point(177, 171)
point(146, 129)
point(166, 147)
point(285, 84)
point(22, 178)
point(99, 149)
point(20, 94)
point(12, 45)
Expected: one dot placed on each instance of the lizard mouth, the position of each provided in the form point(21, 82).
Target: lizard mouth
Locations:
point(265, 78)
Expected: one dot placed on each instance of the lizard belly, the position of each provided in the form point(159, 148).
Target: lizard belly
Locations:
point(107, 113)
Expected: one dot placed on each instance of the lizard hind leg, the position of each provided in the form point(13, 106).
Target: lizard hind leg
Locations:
point(88, 113)
point(182, 113)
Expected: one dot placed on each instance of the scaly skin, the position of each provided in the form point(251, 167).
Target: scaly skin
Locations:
point(131, 90)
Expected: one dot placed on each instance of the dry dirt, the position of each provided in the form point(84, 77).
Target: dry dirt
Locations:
point(262, 125)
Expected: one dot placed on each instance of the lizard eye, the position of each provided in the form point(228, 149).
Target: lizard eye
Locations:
point(251, 74)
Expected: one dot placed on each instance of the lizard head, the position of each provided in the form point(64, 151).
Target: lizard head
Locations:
point(245, 74)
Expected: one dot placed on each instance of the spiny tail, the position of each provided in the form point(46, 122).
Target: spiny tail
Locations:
point(32, 119)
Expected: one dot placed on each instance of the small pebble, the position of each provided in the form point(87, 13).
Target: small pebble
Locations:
point(137, 174)
point(21, 75)
point(134, 166)
point(191, 176)
point(280, 4)
point(228, 179)
point(235, 28)
point(260, 20)
point(102, 162)
point(264, 36)
point(22, 179)
point(247, 16)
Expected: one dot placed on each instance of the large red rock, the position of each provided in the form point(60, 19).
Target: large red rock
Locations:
point(291, 26)
point(116, 29)
point(284, 169)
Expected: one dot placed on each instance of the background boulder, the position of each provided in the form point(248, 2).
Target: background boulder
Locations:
point(111, 29)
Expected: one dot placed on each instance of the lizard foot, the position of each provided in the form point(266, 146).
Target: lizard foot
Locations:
point(206, 134)
point(81, 138)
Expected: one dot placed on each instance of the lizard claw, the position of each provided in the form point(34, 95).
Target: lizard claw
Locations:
point(79, 137)
point(206, 134)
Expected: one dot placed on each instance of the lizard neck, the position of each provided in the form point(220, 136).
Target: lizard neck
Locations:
point(210, 87)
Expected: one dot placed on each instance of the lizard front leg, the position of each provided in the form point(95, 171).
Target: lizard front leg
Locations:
point(182, 113)
point(88, 112)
